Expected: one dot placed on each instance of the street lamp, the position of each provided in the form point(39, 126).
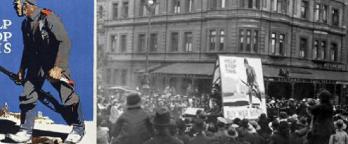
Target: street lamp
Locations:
point(150, 7)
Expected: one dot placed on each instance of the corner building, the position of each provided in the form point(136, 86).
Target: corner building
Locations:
point(302, 43)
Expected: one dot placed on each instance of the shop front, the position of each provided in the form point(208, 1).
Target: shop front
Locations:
point(300, 83)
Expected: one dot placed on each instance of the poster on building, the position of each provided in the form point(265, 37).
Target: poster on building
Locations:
point(242, 86)
point(47, 71)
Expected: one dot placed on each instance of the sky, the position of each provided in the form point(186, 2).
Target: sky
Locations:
point(77, 17)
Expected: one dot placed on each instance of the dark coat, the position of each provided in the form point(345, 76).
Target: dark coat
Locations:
point(201, 139)
point(163, 140)
point(132, 127)
point(322, 120)
point(279, 139)
point(184, 138)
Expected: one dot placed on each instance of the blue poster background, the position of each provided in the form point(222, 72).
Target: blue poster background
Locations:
point(77, 16)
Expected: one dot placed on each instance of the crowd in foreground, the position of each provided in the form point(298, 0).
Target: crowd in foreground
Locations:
point(317, 122)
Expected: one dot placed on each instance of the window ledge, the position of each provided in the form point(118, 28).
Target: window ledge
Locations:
point(326, 61)
point(277, 56)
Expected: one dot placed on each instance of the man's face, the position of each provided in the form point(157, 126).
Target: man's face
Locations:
point(28, 9)
point(17, 5)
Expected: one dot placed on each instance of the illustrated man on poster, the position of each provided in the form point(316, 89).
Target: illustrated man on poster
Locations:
point(45, 57)
point(251, 81)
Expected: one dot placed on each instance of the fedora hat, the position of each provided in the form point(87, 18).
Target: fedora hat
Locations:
point(162, 117)
point(133, 100)
point(231, 132)
point(339, 124)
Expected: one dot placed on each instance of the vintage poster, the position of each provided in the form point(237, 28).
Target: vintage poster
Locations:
point(46, 71)
point(243, 92)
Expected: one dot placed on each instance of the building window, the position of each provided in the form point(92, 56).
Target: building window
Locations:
point(273, 5)
point(322, 50)
point(324, 13)
point(304, 9)
point(250, 3)
point(281, 44)
point(333, 52)
point(282, 6)
point(124, 77)
point(125, 8)
point(115, 77)
point(273, 43)
point(153, 42)
point(257, 4)
point(264, 3)
point(141, 42)
point(216, 39)
point(188, 42)
point(100, 12)
point(278, 46)
point(241, 3)
point(123, 43)
point(223, 4)
point(335, 17)
point(303, 47)
point(142, 8)
point(189, 5)
point(212, 39)
point(241, 40)
point(255, 41)
point(316, 12)
point(157, 7)
point(113, 45)
point(315, 49)
point(213, 4)
point(108, 76)
point(114, 11)
point(248, 39)
point(176, 6)
point(222, 40)
point(174, 41)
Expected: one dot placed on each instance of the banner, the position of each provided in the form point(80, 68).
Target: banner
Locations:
point(243, 91)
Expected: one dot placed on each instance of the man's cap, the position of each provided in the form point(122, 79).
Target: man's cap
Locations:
point(33, 2)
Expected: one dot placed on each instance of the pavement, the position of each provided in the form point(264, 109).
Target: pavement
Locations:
point(47, 133)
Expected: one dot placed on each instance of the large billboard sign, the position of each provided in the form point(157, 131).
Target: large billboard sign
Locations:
point(242, 87)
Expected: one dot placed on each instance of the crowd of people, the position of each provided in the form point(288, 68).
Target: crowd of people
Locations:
point(157, 120)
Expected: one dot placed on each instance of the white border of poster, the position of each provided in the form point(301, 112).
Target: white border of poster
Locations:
point(242, 85)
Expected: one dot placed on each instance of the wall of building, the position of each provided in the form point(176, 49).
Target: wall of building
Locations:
point(231, 19)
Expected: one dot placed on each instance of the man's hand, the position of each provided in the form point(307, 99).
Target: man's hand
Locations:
point(20, 74)
point(56, 73)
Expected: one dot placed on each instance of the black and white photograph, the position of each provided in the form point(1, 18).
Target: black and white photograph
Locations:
point(222, 71)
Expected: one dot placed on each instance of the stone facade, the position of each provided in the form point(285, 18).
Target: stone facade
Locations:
point(254, 21)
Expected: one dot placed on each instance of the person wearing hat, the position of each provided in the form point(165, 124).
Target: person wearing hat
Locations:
point(232, 135)
point(322, 119)
point(45, 57)
point(161, 123)
point(181, 127)
point(281, 136)
point(246, 131)
point(340, 136)
point(133, 126)
point(200, 137)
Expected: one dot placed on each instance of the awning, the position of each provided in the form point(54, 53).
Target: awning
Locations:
point(205, 69)
point(303, 73)
point(150, 68)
